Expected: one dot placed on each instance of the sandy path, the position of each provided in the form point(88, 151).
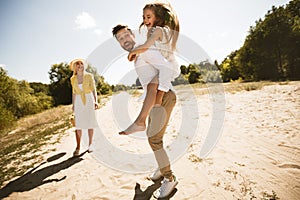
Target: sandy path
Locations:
point(257, 153)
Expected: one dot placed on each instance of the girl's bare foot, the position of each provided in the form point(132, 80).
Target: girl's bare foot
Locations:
point(132, 129)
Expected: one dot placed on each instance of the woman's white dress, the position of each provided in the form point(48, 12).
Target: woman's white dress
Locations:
point(85, 115)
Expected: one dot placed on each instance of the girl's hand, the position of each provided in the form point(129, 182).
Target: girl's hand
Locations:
point(131, 56)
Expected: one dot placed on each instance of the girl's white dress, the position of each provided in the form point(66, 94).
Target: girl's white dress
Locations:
point(85, 115)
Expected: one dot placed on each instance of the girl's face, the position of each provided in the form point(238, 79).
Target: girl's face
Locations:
point(148, 18)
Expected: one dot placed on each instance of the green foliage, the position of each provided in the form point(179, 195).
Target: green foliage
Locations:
point(120, 87)
point(203, 72)
point(209, 73)
point(229, 68)
point(180, 80)
point(40, 88)
point(7, 121)
point(18, 99)
point(271, 50)
point(60, 85)
point(101, 86)
point(193, 73)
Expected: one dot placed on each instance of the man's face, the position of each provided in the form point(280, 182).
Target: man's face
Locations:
point(126, 39)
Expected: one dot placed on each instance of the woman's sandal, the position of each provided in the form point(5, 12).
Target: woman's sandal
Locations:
point(76, 152)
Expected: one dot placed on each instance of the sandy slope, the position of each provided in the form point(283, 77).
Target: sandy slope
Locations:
point(257, 153)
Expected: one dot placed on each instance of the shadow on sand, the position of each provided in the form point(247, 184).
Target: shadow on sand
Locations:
point(147, 194)
point(33, 179)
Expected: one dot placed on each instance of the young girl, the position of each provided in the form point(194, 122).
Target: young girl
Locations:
point(163, 28)
point(84, 100)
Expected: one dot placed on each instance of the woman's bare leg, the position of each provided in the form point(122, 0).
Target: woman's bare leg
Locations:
point(91, 133)
point(78, 134)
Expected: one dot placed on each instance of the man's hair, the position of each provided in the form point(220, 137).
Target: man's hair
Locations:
point(119, 27)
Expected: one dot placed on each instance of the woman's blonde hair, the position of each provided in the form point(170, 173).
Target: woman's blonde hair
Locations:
point(165, 17)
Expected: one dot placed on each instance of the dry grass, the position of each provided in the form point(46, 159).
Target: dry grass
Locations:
point(232, 87)
point(22, 147)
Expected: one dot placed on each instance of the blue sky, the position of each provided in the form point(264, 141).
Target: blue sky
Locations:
point(34, 34)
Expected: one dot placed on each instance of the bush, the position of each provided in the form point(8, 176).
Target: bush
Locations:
point(7, 121)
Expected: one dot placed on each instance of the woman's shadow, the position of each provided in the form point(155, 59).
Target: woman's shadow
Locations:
point(33, 179)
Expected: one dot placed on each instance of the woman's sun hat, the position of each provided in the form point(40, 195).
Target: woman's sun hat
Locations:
point(73, 62)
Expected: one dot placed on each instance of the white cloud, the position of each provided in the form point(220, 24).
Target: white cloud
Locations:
point(98, 31)
point(85, 21)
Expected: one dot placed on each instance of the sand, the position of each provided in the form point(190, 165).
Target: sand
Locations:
point(257, 155)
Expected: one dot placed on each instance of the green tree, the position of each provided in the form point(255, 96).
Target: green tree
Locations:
point(229, 67)
point(293, 55)
point(40, 87)
point(60, 85)
point(8, 119)
point(101, 86)
point(271, 50)
point(193, 73)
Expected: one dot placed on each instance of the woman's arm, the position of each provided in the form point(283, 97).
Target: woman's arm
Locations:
point(93, 87)
point(156, 35)
point(95, 98)
point(73, 101)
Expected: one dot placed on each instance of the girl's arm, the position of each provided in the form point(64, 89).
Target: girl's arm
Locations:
point(156, 35)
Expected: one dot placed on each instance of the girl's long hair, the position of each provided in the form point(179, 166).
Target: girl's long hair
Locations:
point(165, 17)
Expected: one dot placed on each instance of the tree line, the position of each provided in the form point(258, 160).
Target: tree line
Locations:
point(271, 50)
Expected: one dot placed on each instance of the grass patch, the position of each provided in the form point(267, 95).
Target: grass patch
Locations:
point(246, 86)
point(273, 196)
point(22, 147)
point(231, 87)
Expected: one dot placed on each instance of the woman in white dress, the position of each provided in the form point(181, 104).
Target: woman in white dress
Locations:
point(84, 101)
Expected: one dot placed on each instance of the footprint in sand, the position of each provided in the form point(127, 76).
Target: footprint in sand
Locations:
point(289, 165)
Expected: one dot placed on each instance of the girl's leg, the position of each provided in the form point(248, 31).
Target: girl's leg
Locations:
point(159, 97)
point(147, 105)
point(140, 122)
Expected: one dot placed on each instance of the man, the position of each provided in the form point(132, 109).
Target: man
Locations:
point(159, 115)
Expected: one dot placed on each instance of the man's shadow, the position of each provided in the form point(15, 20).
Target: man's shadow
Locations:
point(33, 179)
point(147, 194)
